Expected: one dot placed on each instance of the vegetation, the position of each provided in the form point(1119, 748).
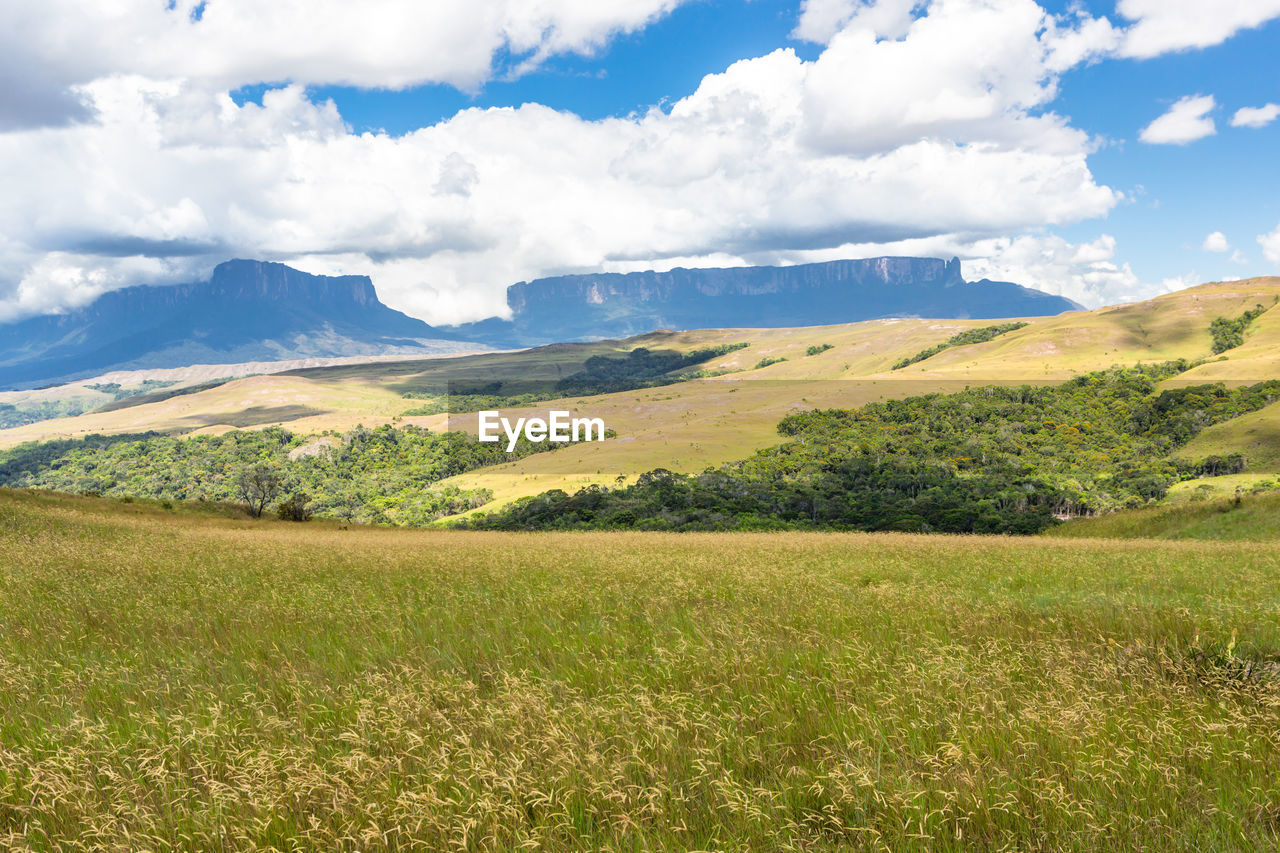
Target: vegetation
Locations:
point(1229, 333)
point(985, 460)
point(160, 392)
point(21, 414)
point(377, 476)
point(600, 374)
point(817, 349)
point(768, 360)
point(1254, 516)
point(174, 680)
point(120, 392)
point(969, 336)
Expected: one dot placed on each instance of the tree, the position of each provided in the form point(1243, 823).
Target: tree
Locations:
point(257, 486)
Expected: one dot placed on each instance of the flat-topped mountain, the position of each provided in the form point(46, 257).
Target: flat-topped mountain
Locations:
point(610, 305)
point(247, 311)
point(259, 311)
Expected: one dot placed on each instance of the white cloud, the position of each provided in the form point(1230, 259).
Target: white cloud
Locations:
point(822, 19)
point(49, 46)
point(1185, 121)
point(1216, 242)
point(1270, 244)
point(1086, 272)
point(773, 157)
point(1255, 116)
point(1161, 26)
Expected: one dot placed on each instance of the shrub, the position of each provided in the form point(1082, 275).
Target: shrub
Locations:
point(294, 508)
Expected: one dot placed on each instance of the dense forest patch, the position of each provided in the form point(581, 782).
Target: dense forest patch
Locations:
point(378, 476)
point(1229, 333)
point(985, 460)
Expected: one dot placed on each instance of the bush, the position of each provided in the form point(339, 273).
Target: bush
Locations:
point(294, 508)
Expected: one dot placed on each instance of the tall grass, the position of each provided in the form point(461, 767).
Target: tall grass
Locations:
point(169, 681)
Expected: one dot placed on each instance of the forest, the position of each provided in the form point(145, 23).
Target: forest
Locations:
point(371, 476)
point(985, 460)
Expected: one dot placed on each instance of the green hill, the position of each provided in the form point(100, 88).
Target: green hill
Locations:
point(732, 410)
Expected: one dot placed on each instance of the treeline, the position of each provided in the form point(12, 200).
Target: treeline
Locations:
point(600, 374)
point(970, 336)
point(1228, 333)
point(985, 460)
point(372, 476)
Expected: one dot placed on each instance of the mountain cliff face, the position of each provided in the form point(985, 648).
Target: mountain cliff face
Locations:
point(247, 311)
point(617, 305)
point(257, 311)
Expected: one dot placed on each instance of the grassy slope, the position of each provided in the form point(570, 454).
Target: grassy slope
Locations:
point(182, 681)
point(691, 426)
point(1255, 517)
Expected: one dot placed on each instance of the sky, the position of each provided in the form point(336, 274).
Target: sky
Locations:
point(1103, 151)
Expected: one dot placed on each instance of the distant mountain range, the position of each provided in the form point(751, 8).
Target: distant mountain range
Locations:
point(259, 311)
point(617, 305)
point(248, 311)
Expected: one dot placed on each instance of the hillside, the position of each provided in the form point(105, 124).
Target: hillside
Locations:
point(690, 425)
point(1249, 518)
point(247, 311)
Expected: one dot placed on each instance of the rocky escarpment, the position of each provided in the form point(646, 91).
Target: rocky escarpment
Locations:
point(616, 305)
point(247, 311)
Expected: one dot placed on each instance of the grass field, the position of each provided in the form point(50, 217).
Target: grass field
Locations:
point(174, 680)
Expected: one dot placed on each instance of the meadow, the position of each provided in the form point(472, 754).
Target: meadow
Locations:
point(183, 679)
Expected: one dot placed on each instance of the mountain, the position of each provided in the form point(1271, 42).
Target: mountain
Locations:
point(247, 311)
point(259, 311)
point(614, 305)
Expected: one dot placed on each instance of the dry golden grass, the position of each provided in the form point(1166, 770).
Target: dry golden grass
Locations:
point(173, 681)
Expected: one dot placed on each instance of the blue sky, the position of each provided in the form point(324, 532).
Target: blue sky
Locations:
point(451, 149)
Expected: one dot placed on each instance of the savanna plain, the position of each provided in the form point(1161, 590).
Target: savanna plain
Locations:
point(172, 679)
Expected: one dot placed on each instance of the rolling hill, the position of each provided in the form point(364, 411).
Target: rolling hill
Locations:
point(690, 425)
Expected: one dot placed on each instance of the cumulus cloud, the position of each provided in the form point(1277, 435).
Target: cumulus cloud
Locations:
point(1086, 272)
point(1270, 244)
point(51, 46)
point(1161, 26)
point(821, 19)
point(1216, 242)
point(1255, 116)
point(773, 157)
point(1186, 121)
